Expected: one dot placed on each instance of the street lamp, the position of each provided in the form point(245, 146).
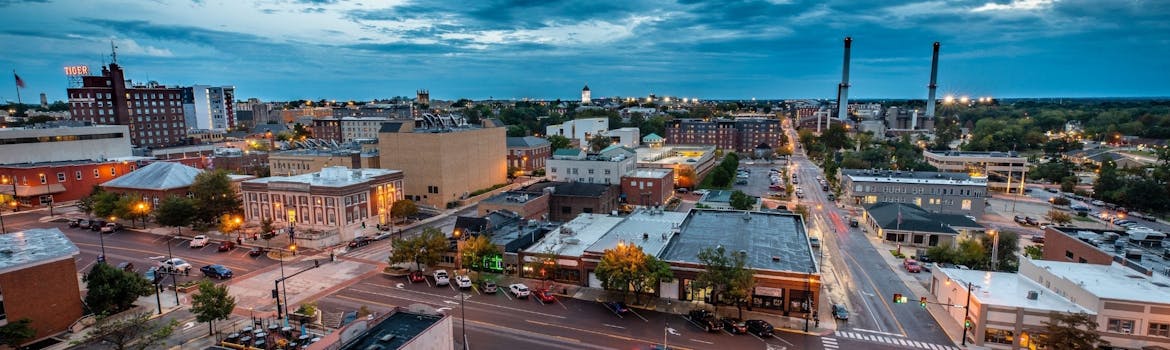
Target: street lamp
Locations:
point(994, 249)
point(808, 297)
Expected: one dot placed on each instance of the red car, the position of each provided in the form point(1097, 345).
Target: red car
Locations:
point(417, 277)
point(544, 296)
point(226, 246)
point(911, 265)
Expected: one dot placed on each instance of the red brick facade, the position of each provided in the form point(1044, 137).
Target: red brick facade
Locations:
point(648, 190)
point(1059, 246)
point(534, 208)
point(47, 294)
point(154, 113)
point(38, 184)
point(529, 159)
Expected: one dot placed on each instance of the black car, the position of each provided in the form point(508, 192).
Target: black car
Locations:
point(256, 251)
point(704, 319)
point(759, 327)
point(733, 325)
point(96, 225)
point(616, 307)
point(217, 271)
point(359, 242)
point(76, 223)
point(840, 312)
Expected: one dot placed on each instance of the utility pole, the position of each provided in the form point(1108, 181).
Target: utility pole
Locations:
point(967, 312)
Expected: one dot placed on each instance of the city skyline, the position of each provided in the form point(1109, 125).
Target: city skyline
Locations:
point(711, 50)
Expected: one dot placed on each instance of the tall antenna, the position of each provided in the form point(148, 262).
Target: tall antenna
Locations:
point(113, 52)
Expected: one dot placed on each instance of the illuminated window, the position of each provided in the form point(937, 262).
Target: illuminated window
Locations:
point(966, 204)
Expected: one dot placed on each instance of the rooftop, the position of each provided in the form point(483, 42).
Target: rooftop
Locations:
point(717, 196)
point(772, 241)
point(673, 154)
point(649, 229)
point(512, 197)
point(976, 154)
point(32, 247)
point(335, 176)
point(577, 189)
point(572, 238)
point(924, 177)
point(398, 328)
point(649, 173)
point(1111, 281)
point(526, 141)
point(1141, 250)
point(156, 176)
point(910, 217)
point(1008, 290)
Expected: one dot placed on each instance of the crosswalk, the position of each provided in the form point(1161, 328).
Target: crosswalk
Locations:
point(831, 343)
point(376, 251)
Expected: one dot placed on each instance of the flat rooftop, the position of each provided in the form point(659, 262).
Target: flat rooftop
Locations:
point(924, 177)
point(512, 197)
point(1111, 281)
point(649, 173)
point(1149, 246)
point(399, 327)
point(337, 176)
point(1010, 290)
point(717, 196)
point(32, 247)
point(658, 227)
point(572, 238)
point(672, 154)
point(762, 235)
point(977, 154)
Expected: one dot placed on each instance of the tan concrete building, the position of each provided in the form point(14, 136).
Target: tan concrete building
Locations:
point(1005, 171)
point(445, 158)
point(296, 162)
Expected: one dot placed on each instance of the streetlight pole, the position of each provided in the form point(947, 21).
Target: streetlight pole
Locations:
point(966, 312)
point(463, 318)
point(807, 298)
point(994, 250)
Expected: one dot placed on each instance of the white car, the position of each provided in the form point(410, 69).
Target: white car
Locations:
point(441, 278)
point(464, 282)
point(519, 290)
point(199, 241)
point(174, 265)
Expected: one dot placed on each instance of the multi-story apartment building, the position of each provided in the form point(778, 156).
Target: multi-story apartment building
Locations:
point(527, 154)
point(580, 130)
point(327, 207)
point(38, 281)
point(605, 167)
point(1005, 171)
point(209, 107)
point(153, 112)
point(949, 193)
point(740, 135)
point(446, 158)
point(347, 129)
point(304, 161)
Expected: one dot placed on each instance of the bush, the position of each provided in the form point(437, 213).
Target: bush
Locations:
point(897, 254)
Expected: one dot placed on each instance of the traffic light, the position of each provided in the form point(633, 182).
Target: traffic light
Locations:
point(899, 299)
point(967, 322)
point(275, 294)
point(922, 301)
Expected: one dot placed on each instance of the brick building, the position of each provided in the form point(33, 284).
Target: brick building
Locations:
point(63, 163)
point(153, 112)
point(528, 205)
point(950, 193)
point(155, 182)
point(740, 135)
point(527, 154)
point(447, 159)
point(648, 186)
point(569, 199)
point(39, 281)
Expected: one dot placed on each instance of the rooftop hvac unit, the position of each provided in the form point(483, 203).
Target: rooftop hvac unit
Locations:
point(1033, 295)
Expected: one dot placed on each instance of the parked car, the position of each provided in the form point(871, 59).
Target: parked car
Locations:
point(704, 319)
point(441, 278)
point(831, 197)
point(1097, 202)
point(76, 222)
point(840, 312)
point(519, 290)
point(255, 251)
point(733, 325)
point(359, 241)
point(416, 277)
point(853, 223)
point(175, 265)
point(911, 265)
point(463, 282)
point(1051, 190)
point(216, 271)
point(382, 235)
point(111, 227)
point(96, 225)
point(616, 307)
point(1038, 238)
point(126, 266)
point(226, 246)
point(1020, 220)
point(814, 242)
point(199, 241)
point(544, 296)
point(1031, 221)
point(760, 328)
point(488, 287)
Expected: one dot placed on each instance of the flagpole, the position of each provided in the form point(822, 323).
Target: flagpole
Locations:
point(19, 102)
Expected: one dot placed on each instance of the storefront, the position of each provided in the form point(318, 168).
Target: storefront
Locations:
point(768, 298)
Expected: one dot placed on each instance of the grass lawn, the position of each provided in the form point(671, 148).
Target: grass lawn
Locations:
point(1080, 218)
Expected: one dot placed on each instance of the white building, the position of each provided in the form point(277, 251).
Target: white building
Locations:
point(580, 129)
point(1007, 311)
point(605, 167)
point(626, 137)
point(65, 143)
point(209, 107)
point(586, 97)
point(361, 128)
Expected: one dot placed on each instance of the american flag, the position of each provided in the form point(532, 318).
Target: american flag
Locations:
point(19, 81)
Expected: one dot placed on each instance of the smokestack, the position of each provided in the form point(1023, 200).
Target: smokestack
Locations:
point(843, 89)
point(933, 81)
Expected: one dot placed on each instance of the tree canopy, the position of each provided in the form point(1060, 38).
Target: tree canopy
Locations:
point(214, 196)
point(212, 303)
point(112, 290)
point(727, 275)
point(477, 248)
point(135, 331)
point(424, 249)
point(1072, 331)
point(742, 201)
point(627, 268)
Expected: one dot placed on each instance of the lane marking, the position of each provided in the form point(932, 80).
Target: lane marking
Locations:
point(877, 332)
point(701, 341)
point(616, 336)
point(612, 326)
point(446, 301)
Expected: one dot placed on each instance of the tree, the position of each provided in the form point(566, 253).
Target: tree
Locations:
point(742, 201)
point(86, 204)
point(542, 263)
point(424, 249)
point(266, 227)
point(214, 196)
point(686, 177)
point(403, 209)
point(477, 248)
point(211, 304)
point(627, 268)
point(1108, 181)
point(112, 290)
point(104, 204)
point(1009, 244)
point(836, 137)
point(228, 224)
point(130, 332)
point(720, 177)
point(559, 142)
point(1068, 184)
point(300, 132)
point(599, 142)
point(726, 275)
point(1072, 331)
point(15, 334)
point(175, 211)
point(1059, 217)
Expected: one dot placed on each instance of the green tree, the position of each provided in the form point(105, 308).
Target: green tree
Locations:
point(1009, 244)
point(1069, 184)
point(425, 249)
point(300, 132)
point(720, 177)
point(266, 227)
point(724, 273)
point(175, 211)
point(15, 334)
point(946, 130)
point(403, 209)
point(112, 290)
point(599, 142)
point(1071, 331)
point(214, 196)
point(105, 204)
point(211, 304)
point(1059, 217)
point(836, 137)
point(130, 332)
point(1108, 181)
point(742, 201)
point(1035, 252)
point(559, 142)
point(86, 204)
point(477, 248)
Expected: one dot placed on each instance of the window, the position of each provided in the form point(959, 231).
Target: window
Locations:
point(1159, 329)
point(1000, 336)
point(1119, 326)
point(78, 174)
point(566, 210)
point(591, 171)
point(113, 171)
point(96, 174)
point(966, 204)
point(61, 177)
point(1068, 254)
point(44, 179)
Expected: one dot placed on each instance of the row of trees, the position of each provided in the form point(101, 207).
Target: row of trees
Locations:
point(976, 254)
point(212, 200)
point(724, 173)
point(1021, 125)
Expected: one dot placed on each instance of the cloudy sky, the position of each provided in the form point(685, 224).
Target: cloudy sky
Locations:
point(364, 49)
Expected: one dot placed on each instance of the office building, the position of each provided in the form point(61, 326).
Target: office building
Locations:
point(652, 187)
point(43, 165)
point(310, 160)
point(528, 154)
point(950, 193)
point(528, 205)
point(569, 199)
point(580, 130)
point(38, 281)
point(347, 129)
point(604, 167)
point(1003, 170)
point(209, 107)
point(682, 160)
point(153, 112)
point(625, 137)
point(739, 135)
point(447, 159)
point(910, 225)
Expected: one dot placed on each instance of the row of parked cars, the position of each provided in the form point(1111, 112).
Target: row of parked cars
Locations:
point(96, 225)
point(706, 320)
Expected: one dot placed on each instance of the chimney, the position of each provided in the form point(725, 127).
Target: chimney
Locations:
point(933, 81)
point(843, 89)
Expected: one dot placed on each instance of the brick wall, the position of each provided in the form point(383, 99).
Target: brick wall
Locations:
point(1062, 247)
point(47, 294)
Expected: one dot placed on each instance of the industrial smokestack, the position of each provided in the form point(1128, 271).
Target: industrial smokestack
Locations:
point(933, 81)
point(843, 89)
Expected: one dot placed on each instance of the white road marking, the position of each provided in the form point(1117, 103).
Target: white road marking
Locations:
point(700, 341)
point(877, 332)
point(613, 326)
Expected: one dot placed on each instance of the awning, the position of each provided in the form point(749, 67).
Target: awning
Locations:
point(30, 191)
